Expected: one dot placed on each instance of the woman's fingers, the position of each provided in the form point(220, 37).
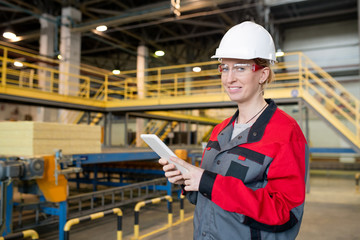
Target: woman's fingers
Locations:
point(169, 174)
point(181, 162)
point(177, 179)
point(163, 161)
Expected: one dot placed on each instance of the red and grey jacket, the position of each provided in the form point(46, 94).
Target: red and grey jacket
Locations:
point(253, 186)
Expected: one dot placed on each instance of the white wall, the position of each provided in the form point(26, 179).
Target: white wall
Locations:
point(333, 44)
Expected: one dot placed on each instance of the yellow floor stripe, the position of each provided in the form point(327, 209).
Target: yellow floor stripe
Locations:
point(165, 227)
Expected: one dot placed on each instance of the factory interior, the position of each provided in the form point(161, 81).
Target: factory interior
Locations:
point(81, 80)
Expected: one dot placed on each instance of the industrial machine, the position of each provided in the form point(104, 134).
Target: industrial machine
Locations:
point(15, 168)
point(45, 178)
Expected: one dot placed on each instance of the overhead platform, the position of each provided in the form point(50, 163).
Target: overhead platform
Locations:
point(297, 81)
point(44, 99)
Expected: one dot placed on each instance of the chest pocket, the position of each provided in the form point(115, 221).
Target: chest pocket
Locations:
point(248, 165)
point(245, 153)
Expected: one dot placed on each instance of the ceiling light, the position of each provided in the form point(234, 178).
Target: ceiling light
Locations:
point(116, 71)
point(18, 64)
point(159, 53)
point(196, 69)
point(101, 28)
point(279, 53)
point(59, 57)
point(9, 35)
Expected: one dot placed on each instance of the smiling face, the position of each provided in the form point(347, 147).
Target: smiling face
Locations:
point(243, 84)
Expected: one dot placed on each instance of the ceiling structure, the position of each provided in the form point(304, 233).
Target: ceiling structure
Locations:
point(191, 37)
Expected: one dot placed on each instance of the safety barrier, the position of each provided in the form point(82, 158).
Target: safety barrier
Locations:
point(182, 212)
point(22, 235)
point(357, 180)
point(153, 201)
point(94, 216)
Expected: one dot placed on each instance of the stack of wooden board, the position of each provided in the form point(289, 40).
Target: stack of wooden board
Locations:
point(42, 138)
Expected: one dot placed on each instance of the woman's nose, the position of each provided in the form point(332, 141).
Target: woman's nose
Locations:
point(230, 76)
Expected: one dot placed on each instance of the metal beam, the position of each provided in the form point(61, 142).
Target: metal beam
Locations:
point(312, 16)
point(201, 23)
point(104, 11)
point(115, 40)
point(182, 37)
point(16, 21)
point(113, 44)
point(9, 9)
point(184, 17)
point(146, 12)
point(49, 103)
point(273, 3)
point(171, 116)
point(95, 50)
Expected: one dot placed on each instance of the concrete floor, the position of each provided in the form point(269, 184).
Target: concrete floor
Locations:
point(332, 211)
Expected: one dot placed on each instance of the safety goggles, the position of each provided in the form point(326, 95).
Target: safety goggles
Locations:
point(239, 68)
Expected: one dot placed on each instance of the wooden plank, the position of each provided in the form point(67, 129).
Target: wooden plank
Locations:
point(38, 138)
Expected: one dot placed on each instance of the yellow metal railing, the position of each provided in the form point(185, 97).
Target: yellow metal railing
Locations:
point(342, 108)
point(49, 75)
point(296, 76)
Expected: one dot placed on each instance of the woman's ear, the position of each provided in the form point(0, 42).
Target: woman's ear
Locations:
point(264, 75)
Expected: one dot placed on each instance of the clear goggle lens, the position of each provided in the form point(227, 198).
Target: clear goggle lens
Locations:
point(239, 68)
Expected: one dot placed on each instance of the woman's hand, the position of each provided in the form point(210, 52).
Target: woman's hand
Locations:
point(172, 174)
point(191, 178)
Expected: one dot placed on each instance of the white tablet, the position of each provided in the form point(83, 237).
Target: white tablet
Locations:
point(161, 149)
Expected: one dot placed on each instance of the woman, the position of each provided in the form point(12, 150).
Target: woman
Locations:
point(251, 184)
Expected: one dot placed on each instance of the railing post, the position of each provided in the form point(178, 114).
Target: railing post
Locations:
point(175, 85)
point(31, 78)
point(170, 213)
point(153, 201)
point(106, 87)
point(136, 218)
point(300, 76)
point(159, 82)
point(4, 67)
point(182, 197)
point(51, 81)
point(87, 87)
point(119, 222)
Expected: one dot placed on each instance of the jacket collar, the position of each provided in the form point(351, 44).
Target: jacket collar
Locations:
point(258, 128)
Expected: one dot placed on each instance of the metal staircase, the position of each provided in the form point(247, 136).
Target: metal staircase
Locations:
point(159, 128)
point(330, 100)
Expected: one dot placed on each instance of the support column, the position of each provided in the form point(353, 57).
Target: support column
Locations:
point(188, 80)
point(46, 42)
point(142, 64)
point(70, 50)
point(188, 140)
point(47, 39)
point(109, 120)
point(126, 130)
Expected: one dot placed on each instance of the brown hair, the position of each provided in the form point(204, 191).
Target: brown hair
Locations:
point(265, 63)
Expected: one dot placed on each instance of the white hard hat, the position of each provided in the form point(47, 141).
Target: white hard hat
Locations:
point(246, 40)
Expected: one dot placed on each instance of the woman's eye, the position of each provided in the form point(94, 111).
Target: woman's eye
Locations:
point(240, 69)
